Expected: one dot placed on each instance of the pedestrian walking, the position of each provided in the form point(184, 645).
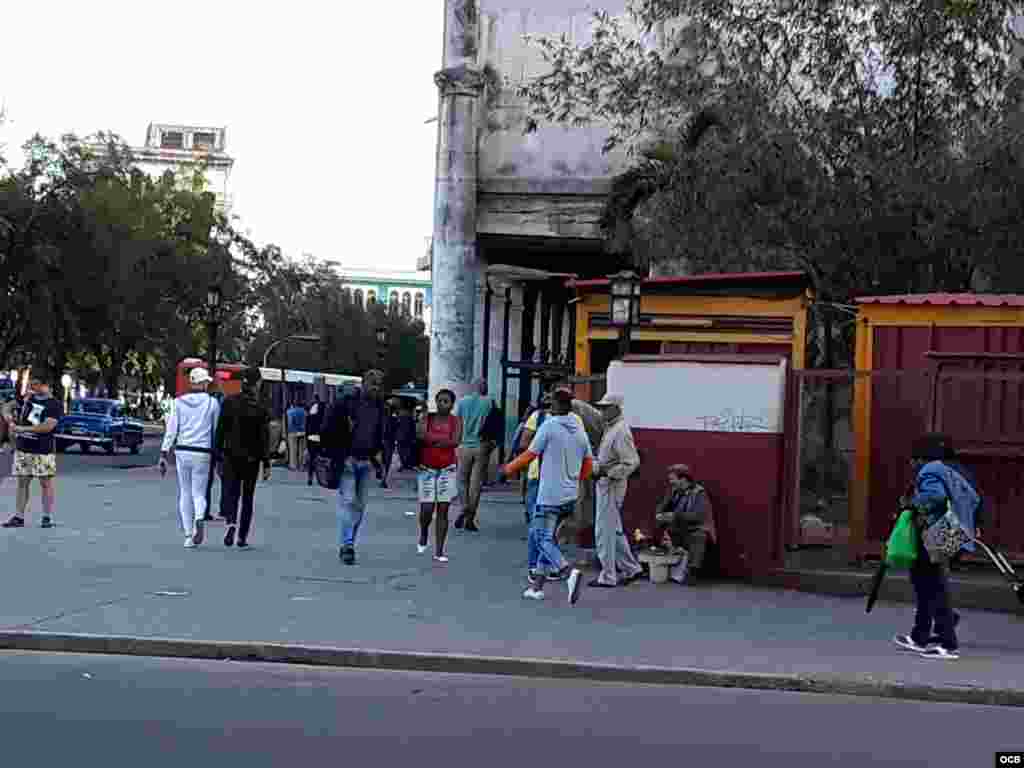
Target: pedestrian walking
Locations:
point(473, 453)
point(190, 434)
point(939, 485)
point(314, 424)
point(390, 436)
point(35, 451)
point(562, 445)
point(296, 420)
point(439, 434)
point(354, 434)
point(617, 459)
point(242, 446)
point(533, 423)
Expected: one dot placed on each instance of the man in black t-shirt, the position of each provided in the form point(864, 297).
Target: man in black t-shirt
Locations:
point(35, 451)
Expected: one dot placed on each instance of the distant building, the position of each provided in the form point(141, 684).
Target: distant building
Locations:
point(408, 292)
point(177, 147)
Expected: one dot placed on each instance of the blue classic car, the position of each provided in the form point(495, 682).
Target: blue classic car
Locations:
point(102, 423)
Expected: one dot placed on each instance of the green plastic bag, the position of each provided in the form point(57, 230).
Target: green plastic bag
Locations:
point(901, 549)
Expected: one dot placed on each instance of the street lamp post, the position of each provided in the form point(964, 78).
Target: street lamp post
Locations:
point(382, 343)
point(307, 337)
point(213, 315)
point(624, 306)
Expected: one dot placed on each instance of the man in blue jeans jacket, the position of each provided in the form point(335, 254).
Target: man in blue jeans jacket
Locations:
point(354, 435)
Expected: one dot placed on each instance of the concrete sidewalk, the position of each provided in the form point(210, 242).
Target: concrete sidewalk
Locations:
point(115, 567)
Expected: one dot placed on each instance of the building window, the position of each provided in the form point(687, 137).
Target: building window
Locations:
point(393, 303)
point(419, 306)
point(406, 303)
point(172, 140)
point(203, 141)
point(371, 297)
point(359, 297)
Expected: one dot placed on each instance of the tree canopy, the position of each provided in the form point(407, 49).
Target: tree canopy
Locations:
point(875, 143)
point(105, 271)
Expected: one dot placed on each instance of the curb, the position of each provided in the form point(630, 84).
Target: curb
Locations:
point(896, 588)
point(313, 655)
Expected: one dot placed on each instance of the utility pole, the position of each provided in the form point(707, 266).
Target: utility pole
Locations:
point(455, 268)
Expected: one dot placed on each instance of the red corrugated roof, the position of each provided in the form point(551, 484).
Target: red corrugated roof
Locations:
point(720, 277)
point(949, 299)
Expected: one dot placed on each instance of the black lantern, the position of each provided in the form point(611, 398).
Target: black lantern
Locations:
point(624, 305)
point(625, 299)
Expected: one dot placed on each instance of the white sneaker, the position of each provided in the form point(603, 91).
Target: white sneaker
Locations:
point(575, 582)
point(411, 513)
point(533, 594)
point(938, 652)
point(421, 548)
point(440, 558)
point(190, 543)
point(907, 643)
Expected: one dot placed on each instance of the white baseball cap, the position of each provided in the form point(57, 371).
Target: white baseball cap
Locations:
point(199, 376)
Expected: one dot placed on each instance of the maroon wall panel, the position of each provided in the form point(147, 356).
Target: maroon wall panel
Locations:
point(985, 418)
point(741, 471)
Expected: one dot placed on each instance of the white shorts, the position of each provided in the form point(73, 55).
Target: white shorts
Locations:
point(438, 486)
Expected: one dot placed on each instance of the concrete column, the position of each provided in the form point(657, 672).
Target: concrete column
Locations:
point(455, 269)
point(515, 343)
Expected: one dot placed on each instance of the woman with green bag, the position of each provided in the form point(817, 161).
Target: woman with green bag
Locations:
point(934, 469)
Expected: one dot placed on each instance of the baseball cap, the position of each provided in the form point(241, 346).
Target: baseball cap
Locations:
point(199, 376)
point(562, 393)
point(610, 399)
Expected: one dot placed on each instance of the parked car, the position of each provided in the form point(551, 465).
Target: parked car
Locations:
point(101, 423)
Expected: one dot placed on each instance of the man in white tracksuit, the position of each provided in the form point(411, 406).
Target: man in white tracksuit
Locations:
point(617, 459)
point(190, 431)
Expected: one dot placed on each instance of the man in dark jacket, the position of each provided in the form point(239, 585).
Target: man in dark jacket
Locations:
point(354, 436)
point(242, 444)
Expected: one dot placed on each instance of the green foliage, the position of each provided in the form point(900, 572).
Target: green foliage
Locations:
point(104, 272)
point(876, 144)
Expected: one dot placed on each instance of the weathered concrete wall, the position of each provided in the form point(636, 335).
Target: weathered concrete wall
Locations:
point(539, 171)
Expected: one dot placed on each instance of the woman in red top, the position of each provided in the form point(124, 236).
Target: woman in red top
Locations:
point(440, 434)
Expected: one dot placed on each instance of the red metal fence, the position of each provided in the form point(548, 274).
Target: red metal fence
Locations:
point(849, 437)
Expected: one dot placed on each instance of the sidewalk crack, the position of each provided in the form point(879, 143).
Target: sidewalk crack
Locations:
point(65, 614)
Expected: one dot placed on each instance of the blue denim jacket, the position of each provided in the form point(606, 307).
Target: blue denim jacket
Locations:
point(936, 482)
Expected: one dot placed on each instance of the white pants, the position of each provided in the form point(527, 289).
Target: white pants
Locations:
point(193, 474)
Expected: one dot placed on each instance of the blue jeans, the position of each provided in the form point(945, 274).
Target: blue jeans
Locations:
point(542, 549)
point(532, 487)
point(355, 480)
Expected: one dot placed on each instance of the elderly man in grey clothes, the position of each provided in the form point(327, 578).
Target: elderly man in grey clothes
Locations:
point(617, 459)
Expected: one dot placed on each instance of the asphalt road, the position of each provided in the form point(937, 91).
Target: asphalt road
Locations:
point(129, 711)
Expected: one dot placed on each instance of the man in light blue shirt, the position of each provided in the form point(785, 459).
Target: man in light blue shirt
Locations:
point(296, 420)
point(473, 453)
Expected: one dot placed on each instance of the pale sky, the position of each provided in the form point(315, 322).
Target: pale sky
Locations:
point(324, 104)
